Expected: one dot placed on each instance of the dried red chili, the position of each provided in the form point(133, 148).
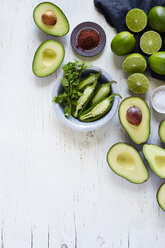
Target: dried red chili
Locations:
point(88, 39)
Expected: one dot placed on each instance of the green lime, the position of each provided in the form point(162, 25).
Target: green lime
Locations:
point(134, 62)
point(136, 20)
point(156, 18)
point(156, 63)
point(150, 42)
point(123, 43)
point(138, 83)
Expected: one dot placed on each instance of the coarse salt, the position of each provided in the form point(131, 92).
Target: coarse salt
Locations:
point(158, 100)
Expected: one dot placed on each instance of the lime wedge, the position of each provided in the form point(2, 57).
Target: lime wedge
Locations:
point(134, 62)
point(138, 83)
point(150, 42)
point(136, 20)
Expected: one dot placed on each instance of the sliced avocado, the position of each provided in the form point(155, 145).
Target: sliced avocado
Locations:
point(48, 58)
point(50, 19)
point(125, 161)
point(162, 131)
point(134, 115)
point(155, 155)
point(161, 196)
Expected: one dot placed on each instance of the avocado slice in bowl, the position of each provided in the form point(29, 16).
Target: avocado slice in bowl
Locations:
point(162, 131)
point(50, 19)
point(48, 58)
point(126, 162)
point(134, 115)
point(155, 155)
point(161, 196)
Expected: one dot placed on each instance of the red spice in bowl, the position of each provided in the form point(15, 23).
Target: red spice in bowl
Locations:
point(88, 39)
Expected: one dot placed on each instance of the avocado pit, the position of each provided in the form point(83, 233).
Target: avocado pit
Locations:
point(49, 18)
point(134, 116)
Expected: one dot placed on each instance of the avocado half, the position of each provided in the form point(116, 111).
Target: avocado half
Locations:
point(126, 162)
point(48, 58)
point(162, 131)
point(50, 19)
point(161, 196)
point(139, 134)
point(155, 155)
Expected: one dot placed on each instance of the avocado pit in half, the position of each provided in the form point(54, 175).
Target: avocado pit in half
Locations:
point(49, 18)
point(134, 116)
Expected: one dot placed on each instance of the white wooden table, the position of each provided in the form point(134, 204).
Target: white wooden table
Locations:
point(56, 189)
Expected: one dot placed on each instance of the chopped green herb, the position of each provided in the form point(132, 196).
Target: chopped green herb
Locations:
point(70, 80)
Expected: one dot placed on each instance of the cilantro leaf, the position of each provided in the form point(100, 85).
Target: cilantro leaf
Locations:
point(71, 78)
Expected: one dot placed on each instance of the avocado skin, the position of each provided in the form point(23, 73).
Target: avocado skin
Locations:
point(38, 50)
point(119, 174)
point(156, 63)
point(131, 137)
point(157, 196)
point(49, 32)
point(159, 131)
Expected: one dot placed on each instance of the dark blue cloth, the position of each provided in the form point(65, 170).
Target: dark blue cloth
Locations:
point(115, 12)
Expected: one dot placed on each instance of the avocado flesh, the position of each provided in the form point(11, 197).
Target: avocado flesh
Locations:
point(48, 58)
point(155, 155)
point(162, 131)
point(125, 161)
point(161, 196)
point(60, 28)
point(139, 134)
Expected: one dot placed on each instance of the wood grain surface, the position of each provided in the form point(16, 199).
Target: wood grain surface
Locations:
point(56, 189)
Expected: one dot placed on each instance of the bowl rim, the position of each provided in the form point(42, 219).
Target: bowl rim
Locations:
point(152, 102)
point(86, 126)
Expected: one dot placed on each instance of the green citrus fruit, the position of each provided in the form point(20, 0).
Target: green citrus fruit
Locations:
point(134, 62)
point(136, 20)
point(156, 63)
point(123, 43)
point(138, 83)
point(156, 18)
point(150, 42)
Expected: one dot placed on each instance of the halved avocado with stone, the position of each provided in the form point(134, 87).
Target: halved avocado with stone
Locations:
point(162, 131)
point(134, 115)
point(155, 155)
point(125, 161)
point(48, 58)
point(50, 19)
point(161, 196)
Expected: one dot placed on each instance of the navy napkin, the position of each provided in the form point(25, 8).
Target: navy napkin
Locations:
point(115, 12)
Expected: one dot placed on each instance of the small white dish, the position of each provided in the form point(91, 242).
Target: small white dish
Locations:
point(87, 126)
point(158, 99)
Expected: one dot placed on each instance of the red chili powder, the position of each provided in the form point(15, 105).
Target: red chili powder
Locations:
point(88, 39)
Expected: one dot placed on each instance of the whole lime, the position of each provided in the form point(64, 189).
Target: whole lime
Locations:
point(123, 43)
point(156, 18)
point(156, 63)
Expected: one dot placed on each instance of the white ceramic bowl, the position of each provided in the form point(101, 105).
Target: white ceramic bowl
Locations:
point(155, 106)
point(87, 126)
